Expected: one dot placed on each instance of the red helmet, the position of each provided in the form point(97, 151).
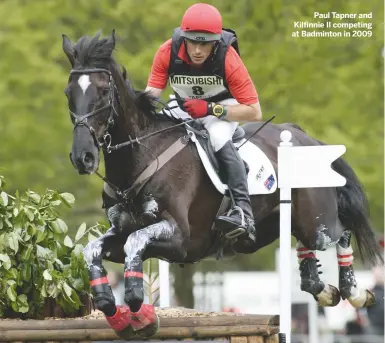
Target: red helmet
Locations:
point(201, 22)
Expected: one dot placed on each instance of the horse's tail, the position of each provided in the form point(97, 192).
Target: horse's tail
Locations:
point(353, 212)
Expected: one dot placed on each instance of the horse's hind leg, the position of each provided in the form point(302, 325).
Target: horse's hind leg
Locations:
point(325, 295)
point(357, 297)
point(317, 228)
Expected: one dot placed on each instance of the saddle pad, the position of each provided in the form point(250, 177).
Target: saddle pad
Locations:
point(261, 178)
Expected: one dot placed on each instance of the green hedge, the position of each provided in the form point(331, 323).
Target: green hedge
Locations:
point(38, 260)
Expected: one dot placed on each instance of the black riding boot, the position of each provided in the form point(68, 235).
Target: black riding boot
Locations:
point(232, 224)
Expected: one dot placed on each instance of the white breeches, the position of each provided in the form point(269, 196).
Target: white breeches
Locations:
point(220, 130)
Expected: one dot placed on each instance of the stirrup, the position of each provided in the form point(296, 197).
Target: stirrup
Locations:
point(240, 211)
point(241, 229)
point(235, 233)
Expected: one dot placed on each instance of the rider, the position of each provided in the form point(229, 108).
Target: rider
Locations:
point(211, 84)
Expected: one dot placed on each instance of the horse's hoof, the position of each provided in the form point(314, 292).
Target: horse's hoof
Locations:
point(149, 330)
point(371, 299)
point(127, 324)
point(361, 298)
point(126, 334)
point(145, 322)
point(146, 332)
point(120, 322)
point(329, 297)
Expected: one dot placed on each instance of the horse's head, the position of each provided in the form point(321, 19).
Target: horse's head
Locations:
point(91, 98)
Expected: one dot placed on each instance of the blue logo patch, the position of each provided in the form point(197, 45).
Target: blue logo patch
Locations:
point(269, 182)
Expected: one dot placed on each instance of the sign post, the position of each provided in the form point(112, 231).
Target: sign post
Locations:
point(164, 284)
point(299, 167)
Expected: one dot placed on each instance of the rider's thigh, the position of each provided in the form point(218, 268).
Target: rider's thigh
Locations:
point(220, 131)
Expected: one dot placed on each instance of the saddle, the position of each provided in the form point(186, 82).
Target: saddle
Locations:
point(203, 137)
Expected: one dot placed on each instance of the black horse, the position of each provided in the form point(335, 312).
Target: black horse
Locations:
point(161, 203)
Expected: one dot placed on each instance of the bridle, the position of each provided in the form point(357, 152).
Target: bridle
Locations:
point(82, 120)
point(106, 142)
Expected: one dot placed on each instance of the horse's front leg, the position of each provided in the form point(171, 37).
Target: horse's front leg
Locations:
point(100, 287)
point(164, 239)
point(110, 246)
point(358, 297)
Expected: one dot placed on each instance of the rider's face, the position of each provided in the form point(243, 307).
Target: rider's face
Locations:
point(198, 51)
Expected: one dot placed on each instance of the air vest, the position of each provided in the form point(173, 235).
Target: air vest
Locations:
point(208, 82)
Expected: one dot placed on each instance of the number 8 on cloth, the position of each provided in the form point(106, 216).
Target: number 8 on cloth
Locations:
point(197, 90)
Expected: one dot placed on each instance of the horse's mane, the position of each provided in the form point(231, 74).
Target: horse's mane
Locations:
point(137, 106)
point(144, 100)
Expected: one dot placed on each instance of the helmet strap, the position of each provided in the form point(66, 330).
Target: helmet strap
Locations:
point(214, 50)
point(185, 48)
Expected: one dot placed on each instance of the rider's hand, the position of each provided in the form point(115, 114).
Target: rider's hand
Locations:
point(196, 108)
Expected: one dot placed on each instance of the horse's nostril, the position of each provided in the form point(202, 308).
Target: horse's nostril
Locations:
point(88, 158)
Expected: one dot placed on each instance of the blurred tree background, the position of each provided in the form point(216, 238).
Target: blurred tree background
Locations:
point(331, 87)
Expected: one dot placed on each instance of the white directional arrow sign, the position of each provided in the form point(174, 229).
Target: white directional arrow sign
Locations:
point(299, 167)
point(309, 166)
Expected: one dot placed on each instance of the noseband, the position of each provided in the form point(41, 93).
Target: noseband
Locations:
point(81, 120)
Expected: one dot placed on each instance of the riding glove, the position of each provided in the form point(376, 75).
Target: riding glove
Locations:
point(198, 108)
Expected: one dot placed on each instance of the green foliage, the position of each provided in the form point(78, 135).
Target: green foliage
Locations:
point(331, 87)
point(38, 260)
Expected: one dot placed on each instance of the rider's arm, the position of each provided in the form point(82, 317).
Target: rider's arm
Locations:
point(244, 113)
point(155, 92)
point(242, 88)
point(157, 80)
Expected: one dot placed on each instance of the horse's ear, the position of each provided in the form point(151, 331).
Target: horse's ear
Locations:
point(113, 36)
point(111, 41)
point(124, 73)
point(68, 49)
